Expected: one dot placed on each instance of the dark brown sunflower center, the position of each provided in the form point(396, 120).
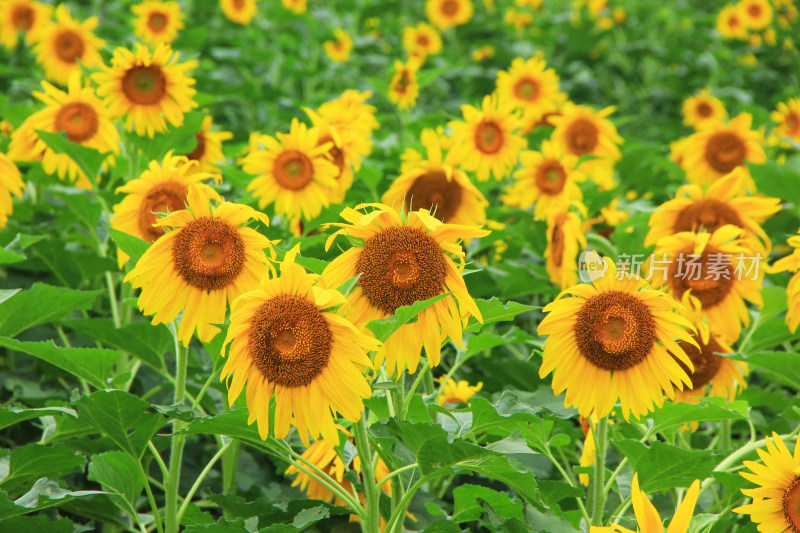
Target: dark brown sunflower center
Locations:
point(754, 10)
point(791, 505)
point(293, 170)
point(423, 40)
point(704, 109)
point(435, 192)
point(166, 197)
point(78, 120)
point(488, 137)
point(615, 330)
point(526, 89)
point(709, 275)
point(403, 81)
point(792, 122)
point(238, 4)
point(450, 7)
point(557, 239)
point(582, 136)
point(209, 253)
point(707, 213)
point(551, 177)
point(335, 153)
point(289, 341)
point(199, 147)
point(706, 361)
point(157, 21)
point(733, 21)
point(69, 46)
point(399, 266)
point(22, 17)
point(725, 151)
point(144, 85)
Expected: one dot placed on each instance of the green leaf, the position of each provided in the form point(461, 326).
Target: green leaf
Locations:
point(142, 339)
point(384, 327)
point(5, 294)
point(270, 514)
point(118, 474)
point(771, 179)
point(496, 311)
point(95, 365)
point(41, 304)
point(223, 525)
point(39, 524)
point(127, 420)
point(30, 462)
point(43, 494)
point(180, 139)
point(663, 466)
point(555, 491)
point(233, 424)
point(88, 159)
point(471, 500)
point(130, 244)
point(311, 264)
point(672, 415)
point(12, 415)
point(71, 267)
point(783, 367)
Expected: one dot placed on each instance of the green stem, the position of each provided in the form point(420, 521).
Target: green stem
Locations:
point(410, 393)
point(598, 480)
point(396, 473)
point(570, 480)
point(201, 477)
point(172, 486)
point(725, 435)
point(151, 498)
point(112, 298)
point(368, 474)
point(161, 464)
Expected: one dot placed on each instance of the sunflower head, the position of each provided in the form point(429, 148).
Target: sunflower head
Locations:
point(787, 116)
point(340, 47)
point(157, 22)
point(10, 183)
point(565, 238)
point(448, 13)
point(207, 150)
point(26, 16)
point(531, 86)
point(239, 11)
point(422, 39)
point(702, 107)
point(455, 393)
point(298, 7)
point(404, 87)
point(756, 14)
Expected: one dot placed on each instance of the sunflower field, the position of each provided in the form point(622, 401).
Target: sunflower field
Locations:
point(399, 265)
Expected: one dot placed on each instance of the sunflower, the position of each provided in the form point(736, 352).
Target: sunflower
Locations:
point(157, 22)
point(547, 180)
point(401, 259)
point(718, 269)
point(208, 146)
point(436, 184)
point(80, 115)
point(288, 339)
point(298, 7)
point(339, 49)
point(162, 188)
point(584, 131)
point(483, 53)
point(404, 88)
point(756, 14)
point(730, 23)
point(147, 88)
point(461, 392)
point(448, 13)
point(345, 150)
point(486, 140)
point(723, 202)
point(531, 86)
point(702, 107)
point(293, 171)
point(776, 500)
point(647, 516)
point(66, 42)
point(609, 340)
point(205, 262)
point(787, 116)
point(422, 39)
point(716, 149)
point(10, 183)
point(239, 11)
point(565, 238)
point(24, 16)
point(350, 112)
point(792, 264)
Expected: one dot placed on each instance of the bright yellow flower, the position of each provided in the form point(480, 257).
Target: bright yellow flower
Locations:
point(24, 16)
point(460, 392)
point(565, 238)
point(207, 150)
point(792, 264)
point(404, 87)
point(239, 11)
point(10, 183)
point(157, 22)
point(448, 13)
point(730, 23)
point(787, 116)
point(298, 7)
point(531, 86)
point(702, 107)
point(756, 14)
point(422, 38)
point(483, 53)
point(339, 49)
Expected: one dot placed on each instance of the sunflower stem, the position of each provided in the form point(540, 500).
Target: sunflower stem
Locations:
point(202, 476)
point(598, 480)
point(725, 435)
point(368, 474)
point(410, 394)
point(172, 484)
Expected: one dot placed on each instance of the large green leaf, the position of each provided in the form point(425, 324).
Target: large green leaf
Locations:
point(119, 475)
point(233, 424)
point(130, 244)
point(42, 495)
point(142, 339)
point(41, 304)
point(95, 365)
point(127, 420)
point(384, 327)
point(672, 415)
point(471, 501)
point(495, 310)
point(88, 159)
point(783, 367)
point(30, 462)
point(663, 466)
point(11, 415)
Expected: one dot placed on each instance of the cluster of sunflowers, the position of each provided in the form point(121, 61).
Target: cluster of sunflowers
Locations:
point(753, 21)
point(298, 340)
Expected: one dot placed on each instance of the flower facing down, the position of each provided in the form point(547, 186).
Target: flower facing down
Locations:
point(206, 261)
point(454, 393)
point(401, 259)
point(289, 340)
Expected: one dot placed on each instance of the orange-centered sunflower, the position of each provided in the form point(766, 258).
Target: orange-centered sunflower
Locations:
point(547, 180)
point(486, 141)
point(723, 202)
point(730, 23)
point(776, 500)
point(162, 188)
point(453, 393)
point(351, 112)
point(340, 47)
point(610, 340)
point(718, 269)
point(448, 13)
point(702, 107)
point(147, 88)
point(66, 42)
point(565, 238)
point(205, 262)
point(756, 14)
point(10, 183)
point(787, 116)
point(532, 87)
point(157, 22)
point(437, 185)
point(716, 149)
point(239, 11)
point(207, 150)
point(289, 341)
point(403, 87)
point(402, 259)
point(293, 171)
point(24, 16)
point(792, 264)
point(422, 40)
point(80, 115)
